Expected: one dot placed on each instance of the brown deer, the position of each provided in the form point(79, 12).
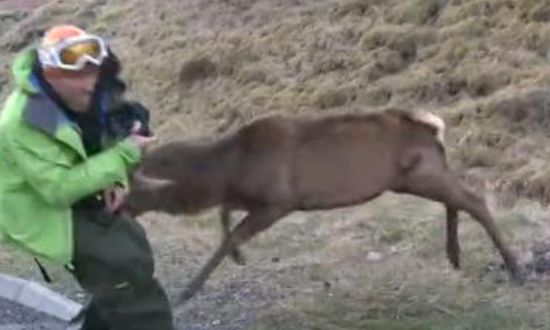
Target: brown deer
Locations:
point(276, 165)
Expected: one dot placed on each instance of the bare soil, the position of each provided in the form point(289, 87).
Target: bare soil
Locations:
point(204, 66)
point(21, 4)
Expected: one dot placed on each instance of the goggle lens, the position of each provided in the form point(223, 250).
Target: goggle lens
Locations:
point(72, 54)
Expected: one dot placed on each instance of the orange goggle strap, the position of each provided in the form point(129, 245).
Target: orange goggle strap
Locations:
point(73, 53)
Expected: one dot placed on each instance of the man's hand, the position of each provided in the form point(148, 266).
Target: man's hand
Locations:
point(114, 198)
point(140, 140)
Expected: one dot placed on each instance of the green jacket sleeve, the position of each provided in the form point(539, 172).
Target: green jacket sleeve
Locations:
point(63, 185)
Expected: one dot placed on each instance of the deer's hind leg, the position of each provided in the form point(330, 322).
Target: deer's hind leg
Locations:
point(453, 246)
point(440, 185)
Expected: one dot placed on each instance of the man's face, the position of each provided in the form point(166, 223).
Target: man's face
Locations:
point(75, 88)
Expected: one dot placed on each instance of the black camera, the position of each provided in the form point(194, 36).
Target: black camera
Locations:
point(122, 119)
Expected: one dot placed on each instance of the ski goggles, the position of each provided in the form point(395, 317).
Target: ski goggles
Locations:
point(73, 53)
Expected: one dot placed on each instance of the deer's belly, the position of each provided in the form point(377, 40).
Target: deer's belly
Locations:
point(326, 183)
point(337, 193)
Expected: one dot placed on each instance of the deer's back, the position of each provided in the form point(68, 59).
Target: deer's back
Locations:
point(344, 160)
point(319, 162)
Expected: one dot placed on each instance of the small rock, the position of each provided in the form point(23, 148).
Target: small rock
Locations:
point(526, 257)
point(216, 322)
point(374, 256)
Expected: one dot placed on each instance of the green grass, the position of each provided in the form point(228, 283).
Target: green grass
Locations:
point(483, 317)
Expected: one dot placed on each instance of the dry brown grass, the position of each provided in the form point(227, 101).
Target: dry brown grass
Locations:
point(203, 66)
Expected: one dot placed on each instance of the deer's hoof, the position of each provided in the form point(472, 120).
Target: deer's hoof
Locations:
point(238, 258)
point(185, 296)
point(456, 264)
point(518, 277)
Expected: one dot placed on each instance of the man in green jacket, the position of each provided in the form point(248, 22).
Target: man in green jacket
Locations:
point(64, 171)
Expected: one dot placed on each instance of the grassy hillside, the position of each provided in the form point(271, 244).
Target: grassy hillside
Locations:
point(203, 66)
point(481, 64)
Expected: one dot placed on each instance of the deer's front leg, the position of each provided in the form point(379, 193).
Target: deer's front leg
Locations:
point(234, 252)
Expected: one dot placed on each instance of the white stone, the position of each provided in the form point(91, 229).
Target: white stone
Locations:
point(37, 297)
point(374, 256)
point(10, 287)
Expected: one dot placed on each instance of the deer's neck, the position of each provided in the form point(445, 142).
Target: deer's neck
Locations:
point(205, 176)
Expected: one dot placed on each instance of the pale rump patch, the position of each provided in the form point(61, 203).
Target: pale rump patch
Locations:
point(429, 118)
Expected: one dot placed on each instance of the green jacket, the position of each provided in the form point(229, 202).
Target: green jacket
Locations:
point(44, 168)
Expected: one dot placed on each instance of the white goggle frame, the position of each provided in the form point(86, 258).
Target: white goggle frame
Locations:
point(51, 56)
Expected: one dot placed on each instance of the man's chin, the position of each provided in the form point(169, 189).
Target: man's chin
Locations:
point(81, 108)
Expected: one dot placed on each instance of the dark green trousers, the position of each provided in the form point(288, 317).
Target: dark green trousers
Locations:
point(114, 263)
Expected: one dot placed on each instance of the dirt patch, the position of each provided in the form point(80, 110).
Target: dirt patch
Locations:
point(24, 5)
point(201, 65)
point(539, 265)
